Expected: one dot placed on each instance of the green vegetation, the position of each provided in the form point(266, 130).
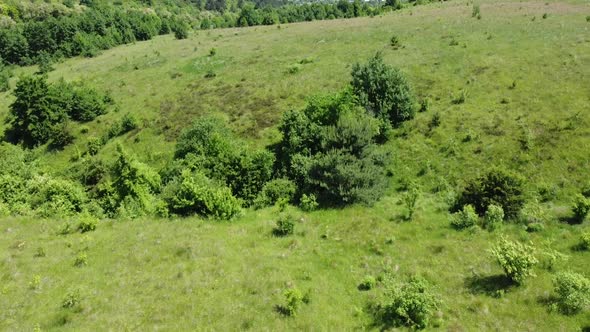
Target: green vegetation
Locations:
point(315, 179)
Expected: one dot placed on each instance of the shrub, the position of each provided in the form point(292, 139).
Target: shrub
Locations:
point(383, 90)
point(194, 193)
point(180, 30)
point(516, 259)
point(212, 51)
point(285, 225)
point(580, 208)
point(465, 218)
point(585, 243)
point(81, 260)
point(72, 299)
point(308, 202)
point(394, 42)
point(367, 283)
point(93, 145)
point(411, 304)
point(410, 199)
point(87, 223)
point(293, 301)
point(494, 217)
point(573, 292)
point(294, 68)
point(56, 197)
point(498, 187)
point(424, 105)
point(275, 190)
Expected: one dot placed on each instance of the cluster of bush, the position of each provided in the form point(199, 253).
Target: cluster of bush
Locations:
point(41, 111)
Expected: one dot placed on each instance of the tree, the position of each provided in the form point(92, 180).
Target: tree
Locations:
point(383, 90)
point(34, 115)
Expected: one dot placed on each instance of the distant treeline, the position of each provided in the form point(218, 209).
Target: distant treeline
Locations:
point(85, 30)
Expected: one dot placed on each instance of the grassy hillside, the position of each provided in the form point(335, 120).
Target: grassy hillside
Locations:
point(509, 89)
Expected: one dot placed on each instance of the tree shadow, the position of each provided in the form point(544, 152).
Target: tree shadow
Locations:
point(494, 286)
point(571, 220)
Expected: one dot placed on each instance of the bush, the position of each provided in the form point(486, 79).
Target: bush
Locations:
point(465, 218)
point(494, 217)
point(383, 90)
point(516, 259)
point(56, 197)
point(194, 193)
point(81, 260)
point(585, 243)
point(394, 42)
point(72, 299)
point(180, 30)
point(573, 292)
point(498, 187)
point(87, 224)
point(410, 199)
point(411, 304)
point(308, 202)
point(580, 208)
point(368, 283)
point(274, 191)
point(285, 225)
point(293, 301)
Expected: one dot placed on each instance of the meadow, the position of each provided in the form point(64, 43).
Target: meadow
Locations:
point(510, 89)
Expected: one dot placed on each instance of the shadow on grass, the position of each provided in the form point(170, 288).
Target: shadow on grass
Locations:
point(571, 220)
point(494, 286)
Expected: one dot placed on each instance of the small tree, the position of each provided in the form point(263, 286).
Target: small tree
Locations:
point(573, 292)
point(580, 208)
point(517, 259)
point(34, 115)
point(494, 217)
point(180, 30)
point(465, 218)
point(410, 200)
point(411, 304)
point(383, 90)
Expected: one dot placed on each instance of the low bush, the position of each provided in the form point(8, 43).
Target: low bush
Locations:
point(573, 292)
point(410, 304)
point(410, 199)
point(274, 191)
point(308, 202)
point(516, 259)
point(580, 208)
point(81, 260)
point(194, 193)
point(494, 217)
point(285, 225)
point(465, 218)
point(293, 301)
point(368, 283)
point(585, 241)
point(87, 223)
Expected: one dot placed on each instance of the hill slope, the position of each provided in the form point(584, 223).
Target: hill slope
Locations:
point(509, 89)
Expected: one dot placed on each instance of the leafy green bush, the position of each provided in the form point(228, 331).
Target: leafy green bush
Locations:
point(465, 218)
point(180, 30)
point(580, 208)
point(411, 304)
point(585, 243)
point(516, 259)
point(87, 223)
point(383, 90)
point(573, 292)
point(72, 299)
point(293, 301)
point(368, 283)
point(285, 225)
point(274, 191)
point(308, 202)
point(410, 199)
point(81, 260)
point(56, 197)
point(498, 187)
point(494, 217)
point(194, 193)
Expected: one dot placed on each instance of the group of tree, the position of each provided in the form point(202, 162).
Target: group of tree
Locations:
point(97, 25)
point(41, 111)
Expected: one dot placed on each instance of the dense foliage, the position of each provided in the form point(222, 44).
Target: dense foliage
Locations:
point(498, 187)
point(41, 111)
point(35, 34)
point(516, 259)
point(573, 292)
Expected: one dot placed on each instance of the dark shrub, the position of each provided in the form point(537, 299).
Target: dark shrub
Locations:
point(274, 191)
point(383, 90)
point(498, 187)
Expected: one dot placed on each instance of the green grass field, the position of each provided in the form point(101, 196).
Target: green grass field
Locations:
point(526, 83)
